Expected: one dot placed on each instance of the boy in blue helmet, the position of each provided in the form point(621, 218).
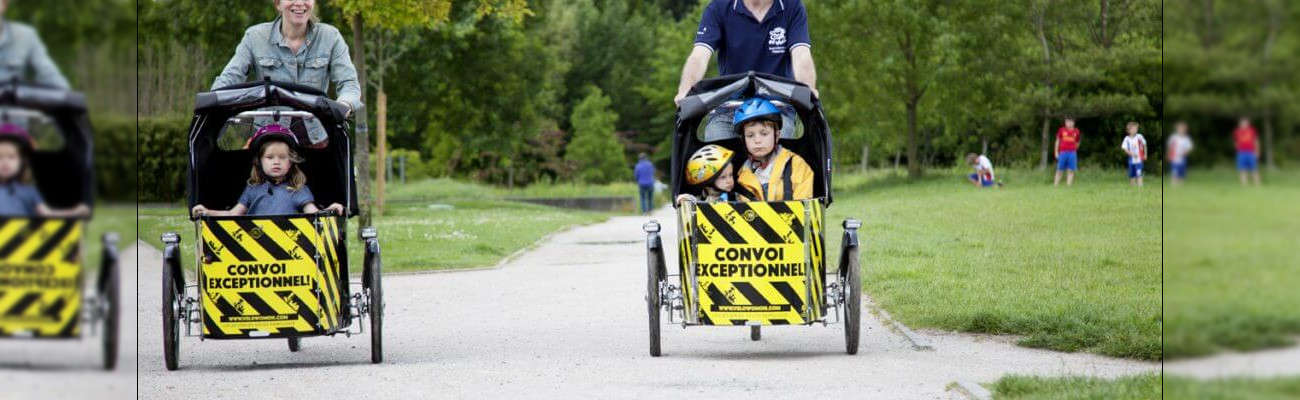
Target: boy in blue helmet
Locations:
point(770, 173)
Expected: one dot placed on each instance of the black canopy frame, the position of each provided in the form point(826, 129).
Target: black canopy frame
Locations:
point(63, 176)
point(815, 145)
point(217, 177)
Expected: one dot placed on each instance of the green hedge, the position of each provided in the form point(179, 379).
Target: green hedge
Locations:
point(161, 158)
point(114, 137)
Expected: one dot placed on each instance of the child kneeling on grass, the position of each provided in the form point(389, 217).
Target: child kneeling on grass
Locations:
point(275, 185)
point(771, 173)
point(18, 198)
point(710, 169)
point(983, 176)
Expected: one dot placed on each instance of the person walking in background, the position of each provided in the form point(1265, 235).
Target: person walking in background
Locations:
point(1067, 148)
point(645, 181)
point(1177, 148)
point(1135, 147)
point(22, 51)
point(1247, 142)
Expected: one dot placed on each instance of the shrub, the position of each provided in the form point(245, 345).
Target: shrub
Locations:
point(594, 148)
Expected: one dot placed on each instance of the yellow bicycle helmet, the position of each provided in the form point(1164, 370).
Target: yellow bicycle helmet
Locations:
point(705, 164)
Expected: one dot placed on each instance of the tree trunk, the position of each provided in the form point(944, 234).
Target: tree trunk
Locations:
point(1047, 145)
point(381, 139)
point(1268, 144)
point(866, 151)
point(984, 145)
point(1274, 27)
point(1208, 34)
point(913, 160)
point(1105, 35)
point(1040, 23)
point(361, 148)
point(897, 157)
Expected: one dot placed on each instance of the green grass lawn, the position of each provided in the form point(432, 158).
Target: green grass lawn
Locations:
point(1232, 273)
point(1146, 386)
point(455, 225)
point(1070, 269)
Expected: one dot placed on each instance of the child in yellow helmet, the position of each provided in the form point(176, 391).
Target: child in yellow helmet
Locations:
point(710, 170)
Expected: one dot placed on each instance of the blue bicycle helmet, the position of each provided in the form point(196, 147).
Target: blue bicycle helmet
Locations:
point(755, 108)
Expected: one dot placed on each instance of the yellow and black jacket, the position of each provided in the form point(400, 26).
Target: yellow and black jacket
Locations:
point(791, 179)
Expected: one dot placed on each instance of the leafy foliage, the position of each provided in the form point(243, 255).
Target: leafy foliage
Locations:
point(488, 89)
point(594, 148)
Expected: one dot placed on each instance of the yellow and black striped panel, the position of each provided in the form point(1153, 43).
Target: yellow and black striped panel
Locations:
point(277, 275)
point(817, 253)
point(40, 277)
point(752, 265)
point(684, 255)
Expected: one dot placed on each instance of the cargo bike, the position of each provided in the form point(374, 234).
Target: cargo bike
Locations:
point(277, 276)
point(43, 293)
point(754, 263)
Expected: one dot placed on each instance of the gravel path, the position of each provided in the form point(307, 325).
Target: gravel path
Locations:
point(568, 320)
point(1262, 364)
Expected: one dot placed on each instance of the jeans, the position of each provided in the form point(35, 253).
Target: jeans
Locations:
point(647, 198)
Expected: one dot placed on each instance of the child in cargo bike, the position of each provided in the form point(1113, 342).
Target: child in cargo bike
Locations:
point(17, 196)
point(710, 168)
point(771, 173)
point(275, 185)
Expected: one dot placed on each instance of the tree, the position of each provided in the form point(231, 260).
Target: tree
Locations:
point(460, 89)
point(612, 50)
point(390, 20)
point(977, 102)
point(594, 148)
point(900, 49)
point(1088, 69)
point(672, 42)
point(1227, 62)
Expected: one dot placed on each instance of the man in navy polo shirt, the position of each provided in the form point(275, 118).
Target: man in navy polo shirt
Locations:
point(752, 35)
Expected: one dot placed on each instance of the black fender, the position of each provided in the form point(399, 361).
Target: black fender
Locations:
point(848, 242)
point(372, 251)
point(653, 242)
point(172, 260)
point(655, 245)
point(108, 260)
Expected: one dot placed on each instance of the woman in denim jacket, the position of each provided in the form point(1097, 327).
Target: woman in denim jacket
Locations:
point(21, 53)
point(299, 49)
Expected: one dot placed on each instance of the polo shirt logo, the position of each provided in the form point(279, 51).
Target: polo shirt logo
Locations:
point(776, 40)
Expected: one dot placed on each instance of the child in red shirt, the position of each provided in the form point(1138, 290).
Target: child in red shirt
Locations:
point(1247, 143)
point(1067, 147)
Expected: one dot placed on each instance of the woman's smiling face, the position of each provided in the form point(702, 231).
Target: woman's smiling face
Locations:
point(295, 12)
